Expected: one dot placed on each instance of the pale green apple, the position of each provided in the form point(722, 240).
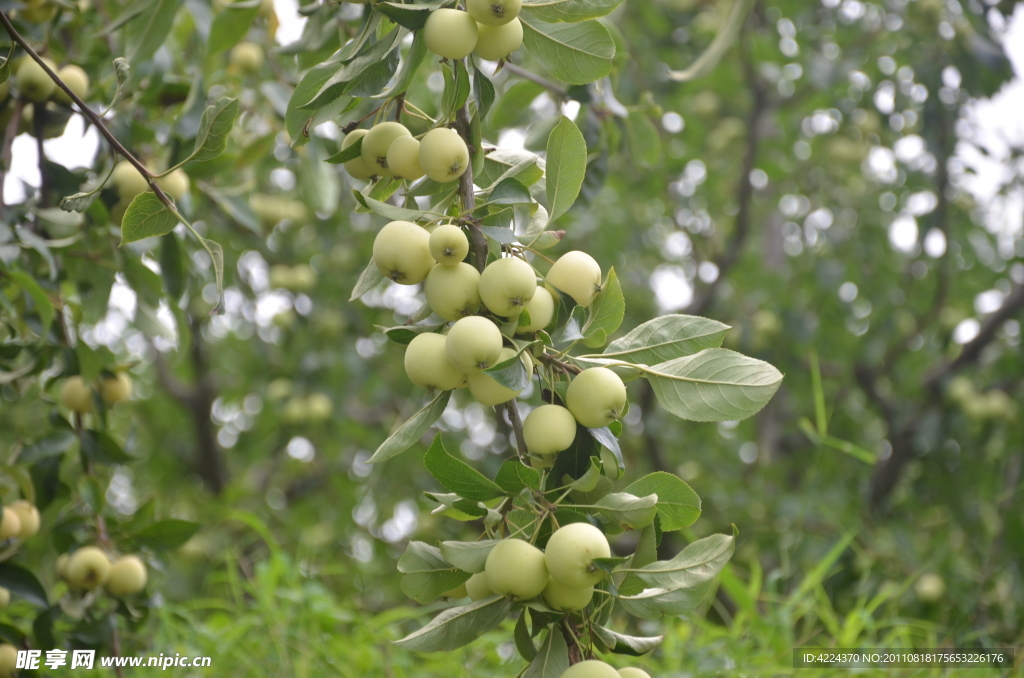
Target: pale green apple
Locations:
point(591, 668)
point(356, 167)
point(570, 555)
point(565, 598)
point(450, 33)
point(28, 517)
point(88, 568)
point(489, 392)
point(477, 587)
point(448, 244)
point(516, 568)
point(596, 397)
point(76, 395)
point(548, 430)
point(376, 144)
point(401, 252)
point(403, 158)
point(473, 344)
point(632, 672)
point(444, 156)
point(542, 310)
point(77, 81)
point(498, 42)
point(453, 291)
point(507, 285)
point(427, 365)
point(493, 12)
point(578, 275)
point(127, 576)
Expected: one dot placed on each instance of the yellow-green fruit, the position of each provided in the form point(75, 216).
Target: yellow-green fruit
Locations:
point(578, 275)
point(493, 12)
point(8, 660)
point(61, 565)
point(450, 33)
point(401, 252)
point(28, 516)
point(5, 91)
point(548, 430)
point(457, 592)
point(596, 397)
point(77, 81)
point(127, 576)
point(128, 181)
point(590, 668)
point(489, 392)
point(473, 344)
point(247, 57)
point(516, 568)
point(427, 365)
point(403, 158)
point(356, 167)
point(319, 408)
point(115, 389)
point(498, 42)
point(632, 672)
point(542, 310)
point(88, 568)
point(5, 597)
point(930, 587)
point(175, 184)
point(33, 82)
point(506, 285)
point(444, 156)
point(376, 144)
point(272, 209)
point(452, 291)
point(540, 461)
point(477, 588)
point(564, 598)
point(571, 552)
point(76, 395)
point(10, 524)
point(302, 278)
point(448, 244)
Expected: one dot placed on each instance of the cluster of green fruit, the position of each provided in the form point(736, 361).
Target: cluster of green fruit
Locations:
point(79, 396)
point(389, 149)
point(19, 520)
point(489, 29)
point(298, 278)
point(89, 568)
point(35, 88)
point(981, 405)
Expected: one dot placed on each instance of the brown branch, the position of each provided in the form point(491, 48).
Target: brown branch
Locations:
point(552, 87)
point(512, 409)
point(39, 131)
point(5, 153)
point(478, 243)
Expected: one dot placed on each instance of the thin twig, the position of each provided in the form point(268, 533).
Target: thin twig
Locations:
point(5, 153)
point(552, 87)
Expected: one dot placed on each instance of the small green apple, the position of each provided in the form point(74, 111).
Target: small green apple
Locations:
point(33, 82)
point(498, 42)
point(401, 252)
point(376, 144)
point(930, 587)
point(570, 555)
point(427, 365)
point(548, 430)
point(246, 57)
point(516, 568)
point(88, 568)
point(456, 593)
point(128, 181)
point(542, 310)
point(591, 668)
point(448, 244)
point(506, 285)
point(453, 291)
point(175, 184)
point(61, 566)
point(77, 81)
point(473, 344)
point(10, 524)
point(319, 408)
point(28, 517)
point(596, 397)
point(403, 158)
point(127, 576)
point(477, 588)
point(632, 672)
point(356, 167)
point(493, 12)
point(489, 392)
point(565, 598)
point(578, 275)
point(115, 389)
point(76, 395)
point(8, 660)
point(5, 598)
point(444, 156)
point(450, 33)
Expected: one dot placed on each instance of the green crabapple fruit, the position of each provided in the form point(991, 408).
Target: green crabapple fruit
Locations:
point(565, 598)
point(77, 81)
point(498, 42)
point(33, 82)
point(127, 576)
point(450, 33)
point(247, 57)
point(477, 588)
point(448, 244)
point(28, 517)
point(38, 11)
point(506, 285)
point(452, 291)
point(319, 408)
point(632, 672)
point(10, 524)
point(457, 592)
point(427, 365)
point(401, 251)
point(516, 568)
point(596, 397)
point(5, 597)
point(376, 144)
point(473, 344)
point(591, 668)
point(76, 395)
point(61, 565)
point(493, 12)
point(548, 430)
point(444, 156)
point(542, 310)
point(930, 587)
point(571, 552)
point(487, 391)
point(578, 275)
point(403, 158)
point(88, 568)
point(115, 389)
point(175, 184)
point(8, 660)
point(128, 181)
point(356, 167)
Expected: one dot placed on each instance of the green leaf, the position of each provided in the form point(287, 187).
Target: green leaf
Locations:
point(678, 504)
point(55, 444)
point(628, 511)
point(646, 553)
point(147, 31)
point(576, 54)
point(230, 25)
point(41, 300)
point(588, 481)
point(427, 574)
point(566, 167)
point(484, 92)
point(214, 127)
point(386, 209)
point(165, 535)
point(511, 373)
point(368, 279)
point(514, 476)
point(458, 626)
point(619, 643)
point(403, 334)
point(412, 17)
point(23, 584)
point(296, 116)
point(413, 429)
point(338, 82)
point(410, 64)
point(575, 461)
point(5, 66)
point(216, 253)
point(457, 476)
point(696, 564)
point(644, 139)
point(665, 338)
point(122, 71)
point(344, 155)
point(468, 556)
point(146, 217)
point(102, 449)
point(606, 313)
point(573, 328)
point(509, 191)
point(714, 385)
point(456, 88)
point(524, 641)
point(552, 658)
point(607, 439)
point(657, 602)
point(570, 11)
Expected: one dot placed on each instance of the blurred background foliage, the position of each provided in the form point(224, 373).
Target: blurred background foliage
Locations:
point(842, 189)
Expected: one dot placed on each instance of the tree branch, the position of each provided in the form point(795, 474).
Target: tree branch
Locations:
point(552, 87)
point(5, 153)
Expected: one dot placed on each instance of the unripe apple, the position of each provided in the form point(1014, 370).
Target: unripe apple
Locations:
point(5, 91)
point(548, 430)
point(88, 568)
point(516, 568)
point(401, 251)
point(427, 365)
point(578, 275)
point(633, 672)
point(448, 244)
point(10, 523)
point(28, 517)
point(61, 565)
point(477, 588)
point(76, 395)
point(498, 42)
point(493, 12)
point(247, 57)
point(450, 33)
point(590, 668)
point(506, 285)
point(77, 81)
point(565, 599)
point(127, 576)
point(444, 156)
point(115, 389)
point(473, 344)
point(5, 597)
point(457, 592)
point(356, 167)
point(930, 587)
point(489, 392)
point(175, 184)
point(453, 291)
point(542, 310)
point(33, 82)
point(596, 397)
point(403, 158)
point(303, 278)
point(319, 408)
point(128, 181)
point(8, 660)
point(571, 552)
point(376, 144)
